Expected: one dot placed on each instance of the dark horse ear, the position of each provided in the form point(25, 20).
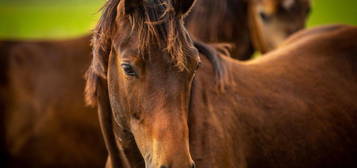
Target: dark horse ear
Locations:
point(182, 7)
point(131, 5)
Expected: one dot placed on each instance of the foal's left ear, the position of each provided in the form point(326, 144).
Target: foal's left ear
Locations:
point(131, 5)
point(182, 7)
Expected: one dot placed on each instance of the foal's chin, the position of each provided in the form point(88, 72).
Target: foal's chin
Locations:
point(163, 156)
point(151, 165)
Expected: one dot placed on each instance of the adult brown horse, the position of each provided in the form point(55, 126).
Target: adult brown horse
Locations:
point(247, 24)
point(44, 120)
point(53, 61)
point(294, 108)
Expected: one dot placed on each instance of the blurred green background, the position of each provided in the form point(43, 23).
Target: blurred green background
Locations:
point(70, 18)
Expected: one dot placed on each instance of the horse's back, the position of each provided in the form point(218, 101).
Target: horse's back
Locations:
point(296, 107)
point(321, 54)
point(306, 100)
point(47, 123)
point(329, 38)
point(334, 42)
point(334, 45)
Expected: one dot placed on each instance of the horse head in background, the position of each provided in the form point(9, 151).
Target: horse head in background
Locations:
point(248, 25)
point(273, 21)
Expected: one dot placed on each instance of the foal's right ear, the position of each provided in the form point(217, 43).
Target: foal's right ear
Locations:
point(131, 5)
point(182, 7)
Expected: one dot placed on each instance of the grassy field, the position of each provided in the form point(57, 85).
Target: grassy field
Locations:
point(47, 20)
point(69, 18)
point(333, 11)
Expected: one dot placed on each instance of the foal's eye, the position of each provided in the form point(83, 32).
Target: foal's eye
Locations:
point(265, 17)
point(128, 69)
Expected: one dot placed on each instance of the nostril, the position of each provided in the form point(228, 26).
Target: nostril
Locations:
point(193, 165)
point(163, 166)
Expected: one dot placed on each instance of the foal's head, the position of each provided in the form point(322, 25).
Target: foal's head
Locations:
point(272, 21)
point(143, 51)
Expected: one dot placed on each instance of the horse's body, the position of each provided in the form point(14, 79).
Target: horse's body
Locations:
point(249, 25)
point(294, 108)
point(44, 118)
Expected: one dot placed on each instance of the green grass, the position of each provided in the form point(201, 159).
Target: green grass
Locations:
point(47, 20)
point(69, 18)
point(333, 12)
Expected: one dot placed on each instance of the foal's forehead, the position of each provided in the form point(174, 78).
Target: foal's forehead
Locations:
point(155, 31)
point(129, 46)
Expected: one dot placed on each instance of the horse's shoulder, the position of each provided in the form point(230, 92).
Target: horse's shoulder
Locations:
point(325, 47)
point(334, 42)
point(322, 32)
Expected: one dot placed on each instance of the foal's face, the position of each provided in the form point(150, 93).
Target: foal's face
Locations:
point(149, 95)
point(275, 20)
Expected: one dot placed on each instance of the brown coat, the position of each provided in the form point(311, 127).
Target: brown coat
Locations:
point(44, 119)
point(295, 108)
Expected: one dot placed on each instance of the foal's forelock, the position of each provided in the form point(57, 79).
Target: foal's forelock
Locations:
point(159, 24)
point(154, 24)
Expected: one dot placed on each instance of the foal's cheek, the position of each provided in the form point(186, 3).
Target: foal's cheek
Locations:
point(141, 136)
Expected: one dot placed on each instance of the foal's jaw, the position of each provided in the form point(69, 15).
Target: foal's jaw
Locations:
point(166, 143)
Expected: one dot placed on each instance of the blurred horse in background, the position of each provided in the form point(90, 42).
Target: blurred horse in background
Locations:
point(294, 108)
point(249, 25)
point(44, 120)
